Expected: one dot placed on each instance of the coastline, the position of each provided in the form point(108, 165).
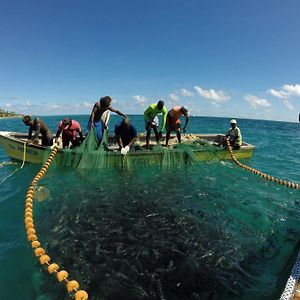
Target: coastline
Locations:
point(11, 117)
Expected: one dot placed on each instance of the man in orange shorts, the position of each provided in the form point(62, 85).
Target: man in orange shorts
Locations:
point(173, 121)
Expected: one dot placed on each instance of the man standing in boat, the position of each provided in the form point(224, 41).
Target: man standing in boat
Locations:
point(39, 127)
point(173, 121)
point(151, 120)
point(125, 133)
point(100, 116)
point(69, 129)
point(234, 135)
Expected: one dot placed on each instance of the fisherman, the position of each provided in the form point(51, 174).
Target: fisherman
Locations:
point(151, 120)
point(69, 129)
point(234, 135)
point(125, 133)
point(173, 121)
point(100, 116)
point(39, 127)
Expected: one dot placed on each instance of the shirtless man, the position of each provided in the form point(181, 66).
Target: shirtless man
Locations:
point(100, 115)
point(173, 121)
point(39, 127)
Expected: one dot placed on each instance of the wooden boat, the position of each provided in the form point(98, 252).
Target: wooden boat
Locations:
point(13, 144)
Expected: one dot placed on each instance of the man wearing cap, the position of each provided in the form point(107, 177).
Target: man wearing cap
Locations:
point(234, 135)
point(173, 121)
point(151, 120)
point(69, 129)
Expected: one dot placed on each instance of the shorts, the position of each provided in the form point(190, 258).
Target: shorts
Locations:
point(172, 125)
point(47, 140)
point(153, 121)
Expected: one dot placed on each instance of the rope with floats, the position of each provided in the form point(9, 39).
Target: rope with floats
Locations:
point(289, 184)
point(24, 158)
point(53, 268)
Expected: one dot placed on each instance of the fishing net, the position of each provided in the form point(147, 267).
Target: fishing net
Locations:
point(90, 154)
point(180, 234)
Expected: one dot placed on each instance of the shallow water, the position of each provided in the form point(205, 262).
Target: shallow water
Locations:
point(205, 231)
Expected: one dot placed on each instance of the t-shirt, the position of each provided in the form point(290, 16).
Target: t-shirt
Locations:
point(152, 111)
point(70, 130)
point(126, 133)
point(235, 134)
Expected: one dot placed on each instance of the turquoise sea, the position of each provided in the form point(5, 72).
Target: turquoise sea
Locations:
point(205, 231)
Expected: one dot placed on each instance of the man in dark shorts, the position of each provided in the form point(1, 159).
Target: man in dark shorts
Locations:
point(151, 120)
point(173, 121)
point(125, 133)
point(100, 116)
point(39, 127)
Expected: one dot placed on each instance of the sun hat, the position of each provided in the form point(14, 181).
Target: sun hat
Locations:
point(184, 107)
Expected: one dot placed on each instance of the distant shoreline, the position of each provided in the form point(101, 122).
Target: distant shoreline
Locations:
point(11, 117)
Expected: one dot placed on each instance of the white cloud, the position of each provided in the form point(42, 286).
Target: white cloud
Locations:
point(186, 93)
point(257, 102)
point(87, 104)
point(216, 96)
point(287, 91)
point(278, 94)
point(293, 90)
point(173, 97)
point(140, 100)
point(288, 104)
point(7, 105)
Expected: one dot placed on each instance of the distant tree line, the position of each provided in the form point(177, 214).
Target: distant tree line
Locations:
point(4, 113)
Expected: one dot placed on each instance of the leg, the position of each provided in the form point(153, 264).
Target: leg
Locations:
point(148, 128)
point(167, 137)
point(99, 130)
point(47, 141)
point(178, 135)
point(156, 133)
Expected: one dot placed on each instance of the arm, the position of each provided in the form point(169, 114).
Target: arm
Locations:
point(117, 112)
point(37, 131)
point(186, 122)
point(30, 133)
point(59, 130)
point(119, 140)
point(80, 133)
point(95, 108)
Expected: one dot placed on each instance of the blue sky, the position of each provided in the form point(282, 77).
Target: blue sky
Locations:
point(228, 58)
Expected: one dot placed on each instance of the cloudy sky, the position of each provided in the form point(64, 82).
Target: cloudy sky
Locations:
point(221, 58)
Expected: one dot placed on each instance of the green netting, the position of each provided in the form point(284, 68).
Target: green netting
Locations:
point(91, 155)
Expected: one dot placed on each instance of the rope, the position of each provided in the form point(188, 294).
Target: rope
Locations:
point(289, 184)
point(24, 158)
point(53, 268)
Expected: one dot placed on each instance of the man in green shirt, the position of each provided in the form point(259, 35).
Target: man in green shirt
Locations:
point(151, 120)
point(234, 135)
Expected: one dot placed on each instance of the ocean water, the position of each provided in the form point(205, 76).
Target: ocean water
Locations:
point(205, 231)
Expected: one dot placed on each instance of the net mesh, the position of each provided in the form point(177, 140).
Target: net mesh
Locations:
point(90, 154)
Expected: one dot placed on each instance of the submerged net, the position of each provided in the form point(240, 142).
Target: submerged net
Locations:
point(90, 154)
point(180, 234)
